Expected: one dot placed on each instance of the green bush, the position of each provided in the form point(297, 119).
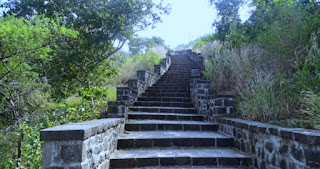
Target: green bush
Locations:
point(229, 68)
point(27, 134)
point(310, 109)
point(257, 99)
point(145, 61)
point(271, 63)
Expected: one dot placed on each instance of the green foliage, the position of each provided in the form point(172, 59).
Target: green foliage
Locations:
point(276, 79)
point(26, 50)
point(229, 68)
point(258, 99)
point(203, 40)
point(59, 64)
point(228, 12)
point(310, 109)
point(138, 62)
point(307, 76)
point(103, 25)
point(140, 45)
point(287, 31)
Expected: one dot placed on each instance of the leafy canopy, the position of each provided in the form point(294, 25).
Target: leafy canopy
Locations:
point(103, 25)
point(140, 45)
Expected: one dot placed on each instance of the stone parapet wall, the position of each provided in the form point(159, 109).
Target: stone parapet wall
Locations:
point(127, 95)
point(274, 146)
point(211, 106)
point(81, 145)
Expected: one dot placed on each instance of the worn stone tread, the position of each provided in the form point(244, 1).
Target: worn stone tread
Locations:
point(159, 107)
point(189, 167)
point(168, 114)
point(157, 98)
point(179, 152)
point(168, 122)
point(170, 134)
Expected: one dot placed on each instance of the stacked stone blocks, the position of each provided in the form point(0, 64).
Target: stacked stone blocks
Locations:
point(81, 145)
point(274, 146)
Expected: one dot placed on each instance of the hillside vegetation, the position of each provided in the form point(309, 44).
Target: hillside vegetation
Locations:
point(60, 63)
point(271, 62)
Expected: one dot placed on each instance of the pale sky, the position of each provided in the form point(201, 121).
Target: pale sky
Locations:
point(188, 20)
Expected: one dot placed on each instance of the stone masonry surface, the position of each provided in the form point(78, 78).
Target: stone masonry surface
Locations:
point(274, 146)
point(81, 145)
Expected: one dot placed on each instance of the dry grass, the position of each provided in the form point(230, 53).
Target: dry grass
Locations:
point(228, 69)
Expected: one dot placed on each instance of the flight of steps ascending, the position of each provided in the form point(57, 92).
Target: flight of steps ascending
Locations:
point(164, 131)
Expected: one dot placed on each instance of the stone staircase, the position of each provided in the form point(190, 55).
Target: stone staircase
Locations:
point(164, 130)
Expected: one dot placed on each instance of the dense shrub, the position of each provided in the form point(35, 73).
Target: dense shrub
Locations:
point(145, 61)
point(273, 67)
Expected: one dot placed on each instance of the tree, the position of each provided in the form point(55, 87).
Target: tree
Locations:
point(140, 45)
point(103, 25)
point(228, 12)
point(26, 48)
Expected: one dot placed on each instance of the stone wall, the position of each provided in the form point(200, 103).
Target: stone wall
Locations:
point(274, 146)
point(127, 95)
point(211, 106)
point(81, 145)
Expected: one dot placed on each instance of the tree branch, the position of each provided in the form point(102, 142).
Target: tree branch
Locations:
point(8, 69)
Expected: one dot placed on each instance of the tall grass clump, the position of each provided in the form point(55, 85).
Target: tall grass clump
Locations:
point(310, 109)
point(271, 62)
point(265, 91)
point(229, 68)
point(259, 99)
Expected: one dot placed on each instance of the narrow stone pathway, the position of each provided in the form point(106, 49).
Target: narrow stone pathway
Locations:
point(165, 131)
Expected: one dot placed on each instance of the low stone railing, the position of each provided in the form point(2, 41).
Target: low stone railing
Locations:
point(127, 95)
point(81, 145)
point(274, 146)
point(211, 106)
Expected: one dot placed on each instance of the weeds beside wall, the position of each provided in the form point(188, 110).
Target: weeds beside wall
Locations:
point(271, 62)
point(265, 92)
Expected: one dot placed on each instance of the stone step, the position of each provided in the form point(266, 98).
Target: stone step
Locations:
point(165, 77)
point(163, 104)
point(165, 99)
point(169, 76)
point(176, 94)
point(170, 84)
point(178, 74)
point(155, 109)
point(156, 139)
point(168, 90)
point(131, 158)
point(174, 81)
point(152, 125)
point(178, 70)
point(164, 116)
point(191, 167)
